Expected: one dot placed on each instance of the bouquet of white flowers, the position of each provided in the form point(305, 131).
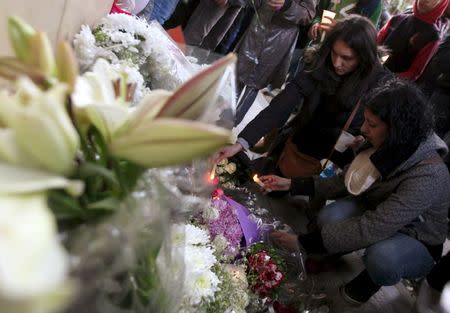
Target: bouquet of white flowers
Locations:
point(123, 38)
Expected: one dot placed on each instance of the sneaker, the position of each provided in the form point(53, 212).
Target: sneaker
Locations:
point(359, 290)
point(348, 299)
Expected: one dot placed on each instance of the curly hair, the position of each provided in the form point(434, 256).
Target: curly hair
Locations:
point(408, 116)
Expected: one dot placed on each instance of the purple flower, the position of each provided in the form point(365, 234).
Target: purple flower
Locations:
point(227, 225)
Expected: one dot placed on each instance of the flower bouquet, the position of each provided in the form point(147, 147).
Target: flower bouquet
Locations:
point(122, 38)
point(72, 154)
point(266, 271)
point(231, 173)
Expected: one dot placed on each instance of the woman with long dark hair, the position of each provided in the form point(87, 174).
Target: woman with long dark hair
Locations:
point(334, 77)
point(391, 201)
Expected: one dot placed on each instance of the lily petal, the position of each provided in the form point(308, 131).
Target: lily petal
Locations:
point(106, 118)
point(190, 100)
point(16, 179)
point(149, 107)
point(169, 141)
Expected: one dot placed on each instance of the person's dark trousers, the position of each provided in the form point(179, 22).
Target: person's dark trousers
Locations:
point(236, 31)
point(181, 15)
point(245, 102)
point(159, 10)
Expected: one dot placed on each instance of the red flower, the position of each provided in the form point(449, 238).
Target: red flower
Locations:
point(281, 308)
point(217, 193)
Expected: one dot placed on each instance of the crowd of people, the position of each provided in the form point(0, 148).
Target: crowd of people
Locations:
point(383, 83)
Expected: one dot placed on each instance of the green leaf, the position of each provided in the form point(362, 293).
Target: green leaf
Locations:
point(108, 204)
point(64, 206)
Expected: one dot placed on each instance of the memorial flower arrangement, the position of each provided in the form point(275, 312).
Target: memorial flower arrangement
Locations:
point(231, 173)
point(266, 271)
point(224, 227)
point(73, 150)
point(122, 38)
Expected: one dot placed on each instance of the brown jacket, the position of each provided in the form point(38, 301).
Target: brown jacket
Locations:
point(265, 51)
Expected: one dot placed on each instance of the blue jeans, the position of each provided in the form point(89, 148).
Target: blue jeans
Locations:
point(389, 260)
point(159, 10)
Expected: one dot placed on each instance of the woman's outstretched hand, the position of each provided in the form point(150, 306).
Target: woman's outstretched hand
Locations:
point(276, 183)
point(227, 152)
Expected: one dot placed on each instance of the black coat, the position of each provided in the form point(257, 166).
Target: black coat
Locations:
point(324, 112)
point(435, 82)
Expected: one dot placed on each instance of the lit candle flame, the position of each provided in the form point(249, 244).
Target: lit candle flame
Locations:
point(260, 183)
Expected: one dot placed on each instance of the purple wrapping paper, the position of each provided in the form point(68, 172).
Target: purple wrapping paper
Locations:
point(250, 229)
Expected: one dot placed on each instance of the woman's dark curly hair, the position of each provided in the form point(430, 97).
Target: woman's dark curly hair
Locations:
point(405, 110)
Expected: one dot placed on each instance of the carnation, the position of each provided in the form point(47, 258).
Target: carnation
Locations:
point(220, 243)
point(201, 286)
point(198, 259)
point(210, 213)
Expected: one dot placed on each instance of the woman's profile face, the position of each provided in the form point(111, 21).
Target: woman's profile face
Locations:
point(374, 129)
point(344, 58)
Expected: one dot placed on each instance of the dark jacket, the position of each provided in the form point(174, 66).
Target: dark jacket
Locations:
point(265, 52)
point(324, 112)
point(435, 82)
point(412, 199)
point(412, 40)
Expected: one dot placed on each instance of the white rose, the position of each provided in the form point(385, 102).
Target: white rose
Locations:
point(223, 162)
point(230, 168)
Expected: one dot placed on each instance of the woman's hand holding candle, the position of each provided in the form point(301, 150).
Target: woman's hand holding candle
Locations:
point(276, 183)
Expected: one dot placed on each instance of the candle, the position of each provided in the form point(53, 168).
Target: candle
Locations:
point(260, 183)
point(213, 172)
point(326, 13)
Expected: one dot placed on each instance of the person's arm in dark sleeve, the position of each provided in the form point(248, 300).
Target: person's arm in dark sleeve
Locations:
point(279, 109)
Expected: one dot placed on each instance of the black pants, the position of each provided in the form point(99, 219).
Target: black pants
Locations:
point(440, 274)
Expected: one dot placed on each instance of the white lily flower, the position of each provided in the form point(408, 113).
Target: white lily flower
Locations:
point(148, 134)
point(32, 261)
point(39, 131)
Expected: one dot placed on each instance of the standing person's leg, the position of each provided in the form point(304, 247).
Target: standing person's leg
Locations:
point(245, 102)
point(388, 261)
point(202, 21)
point(220, 29)
point(163, 9)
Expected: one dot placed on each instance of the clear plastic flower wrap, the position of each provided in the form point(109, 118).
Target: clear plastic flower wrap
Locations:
point(132, 41)
point(115, 260)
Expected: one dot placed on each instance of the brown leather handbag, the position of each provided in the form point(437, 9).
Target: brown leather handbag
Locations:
point(293, 163)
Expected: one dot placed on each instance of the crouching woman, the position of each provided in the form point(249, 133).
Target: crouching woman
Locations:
point(391, 201)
